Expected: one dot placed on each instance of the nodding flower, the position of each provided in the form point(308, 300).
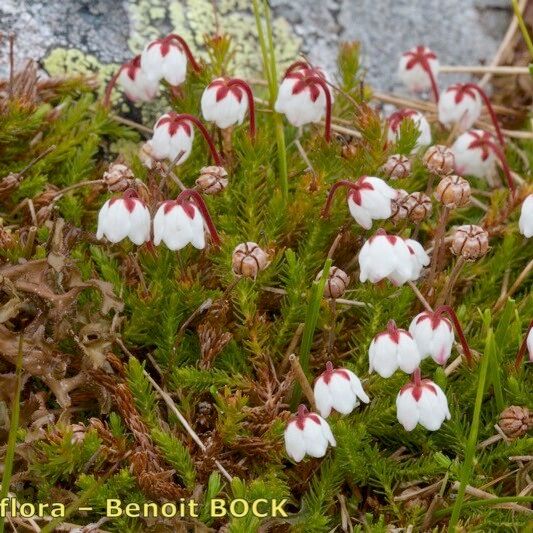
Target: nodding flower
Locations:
point(461, 103)
point(369, 199)
point(418, 70)
point(339, 389)
point(307, 433)
point(166, 59)
point(137, 85)
point(396, 119)
point(393, 349)
point(173, 137)
point(475, 154)
point(225, 102)
point(421, 402)
point(525, 223)
point(304, 96)
point(527, 343)
point(181, 221)
point(162, 59)
point(123, 217)
point(391, 257)
point(434, 336)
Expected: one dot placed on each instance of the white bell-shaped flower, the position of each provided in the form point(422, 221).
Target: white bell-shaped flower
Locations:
point(124, 216)
point(166, 59)
point(525, 223)
point(339, 389)
point(304, 96)
point(137, 86)
point(180, 222)
point(369, 199)
point(307, 433)
point(418, 70)
point(386, 256)
point(173, 137)
point(459, 104)
point(473, 156)
point(396, 119)
point(391, 350)
point(422, 402)
point(476, 152)
point(433, 335)
point(419, 258)
point(225, 102)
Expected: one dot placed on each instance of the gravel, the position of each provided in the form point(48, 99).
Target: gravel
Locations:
point(460, 31)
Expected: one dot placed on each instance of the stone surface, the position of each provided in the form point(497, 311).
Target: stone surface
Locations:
point(460, 31)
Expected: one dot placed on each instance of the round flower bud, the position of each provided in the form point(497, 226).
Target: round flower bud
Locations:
point(212, 180)
point(349, 151)
point(453, 191)
point(336, 283)
point(470, 242)
point(248, 260)
point(439, 159)
point(146, 155)
point(397, 167)
point(398, 209)
point(118, 177)
point(515, 421)
point(418, 206)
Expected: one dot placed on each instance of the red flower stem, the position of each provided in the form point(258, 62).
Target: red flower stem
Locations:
point(205, 133)
point(522, 349)
point(302, 412)
point(446, 309)
point(334, 187)
point(109, 87)
point(296, 65)
point(250, 95)
point(490, 109)
point(324, 85)
point(498, 152)
point(187, 50)
point(416, 377)
point(434, 87)
point(200, 204)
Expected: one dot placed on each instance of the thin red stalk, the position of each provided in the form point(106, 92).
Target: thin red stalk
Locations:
point(324, 85)
point(205, 133)
point(188, 52)
point(200, 204)
point(451, 313)
point(297, 65)
point(434, 87)
point(250, 95)
point(490, 109)
point(503, 160)
point(416, 377)
point(335, 186)
point(109, 87)
point(522, 349)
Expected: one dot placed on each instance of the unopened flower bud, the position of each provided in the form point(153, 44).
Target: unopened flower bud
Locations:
point(470, 241)
point(439, 159)
point(349, 151)
point(249, 259)
point(453, 191)
point(118, 177)
point(399, 211)
point(336, 283)
point(515, 421)
point(418, 206)
point(146, 155)
point(212, 180)
point(9, 183)
point(397, 167)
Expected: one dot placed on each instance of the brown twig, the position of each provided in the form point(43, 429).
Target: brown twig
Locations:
point(302, 380)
